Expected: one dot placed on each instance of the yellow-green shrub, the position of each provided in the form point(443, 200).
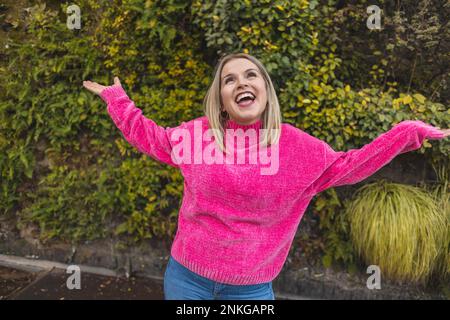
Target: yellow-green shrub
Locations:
point(400, 228)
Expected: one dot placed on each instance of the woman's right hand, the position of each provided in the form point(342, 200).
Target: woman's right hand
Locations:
point(98, 88)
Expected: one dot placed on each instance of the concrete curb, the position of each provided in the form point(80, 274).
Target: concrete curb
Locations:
point(34, 265)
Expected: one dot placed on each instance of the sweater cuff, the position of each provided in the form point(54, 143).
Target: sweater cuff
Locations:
point(111, 93)
point(429, 131)
point(425, 130)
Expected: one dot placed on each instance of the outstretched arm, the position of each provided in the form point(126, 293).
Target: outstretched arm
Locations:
point(141, 132)
point(344, 168)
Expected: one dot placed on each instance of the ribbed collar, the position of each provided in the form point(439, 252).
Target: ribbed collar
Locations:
point(231, 124)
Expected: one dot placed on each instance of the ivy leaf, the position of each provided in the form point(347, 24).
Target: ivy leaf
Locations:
point(122, 228)
point(327, 260)
point(419, 97)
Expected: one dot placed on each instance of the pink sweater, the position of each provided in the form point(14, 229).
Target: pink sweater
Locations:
point(235, 225)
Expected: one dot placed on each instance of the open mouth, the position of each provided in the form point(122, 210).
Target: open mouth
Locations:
point(245, 99)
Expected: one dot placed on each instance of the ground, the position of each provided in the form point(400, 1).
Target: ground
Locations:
point(52, 285)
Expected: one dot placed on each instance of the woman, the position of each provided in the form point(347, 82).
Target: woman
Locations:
point(237, 222)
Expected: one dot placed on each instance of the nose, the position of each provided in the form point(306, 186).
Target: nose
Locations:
point(242, 83)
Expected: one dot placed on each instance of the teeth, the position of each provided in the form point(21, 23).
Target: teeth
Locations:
point(243, 95)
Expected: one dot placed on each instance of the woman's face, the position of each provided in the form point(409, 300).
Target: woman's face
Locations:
point(242, 76)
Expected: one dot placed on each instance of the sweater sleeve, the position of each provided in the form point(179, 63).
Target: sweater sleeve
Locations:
point(141, 132)
point(344, 168)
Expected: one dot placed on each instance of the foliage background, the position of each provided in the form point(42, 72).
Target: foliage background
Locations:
point(68, 175)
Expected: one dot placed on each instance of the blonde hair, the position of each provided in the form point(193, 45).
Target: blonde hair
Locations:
point(212, 104)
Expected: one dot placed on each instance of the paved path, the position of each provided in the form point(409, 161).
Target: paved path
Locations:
point(52, 285)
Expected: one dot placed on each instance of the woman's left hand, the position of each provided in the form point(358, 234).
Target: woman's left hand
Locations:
point(445, 131)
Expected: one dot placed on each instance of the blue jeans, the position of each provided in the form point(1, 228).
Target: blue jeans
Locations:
point(181, 283)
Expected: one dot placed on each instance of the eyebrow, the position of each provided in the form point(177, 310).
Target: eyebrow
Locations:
point(245, 71)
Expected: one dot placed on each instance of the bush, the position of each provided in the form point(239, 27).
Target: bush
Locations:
point(400, 228)
point(164, 52)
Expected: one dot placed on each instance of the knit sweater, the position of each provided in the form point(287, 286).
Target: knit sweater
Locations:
point(236, 225)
